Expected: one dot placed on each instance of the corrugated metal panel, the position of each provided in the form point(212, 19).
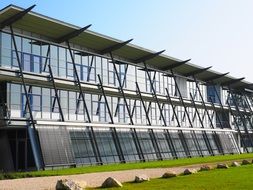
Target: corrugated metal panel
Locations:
point(55, 145)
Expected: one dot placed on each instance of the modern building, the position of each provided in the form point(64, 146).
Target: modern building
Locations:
point(71, 97)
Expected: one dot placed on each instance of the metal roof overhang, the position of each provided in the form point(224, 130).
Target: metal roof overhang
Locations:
point(54, 29)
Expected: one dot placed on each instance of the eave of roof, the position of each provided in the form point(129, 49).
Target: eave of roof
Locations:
point(53, 29)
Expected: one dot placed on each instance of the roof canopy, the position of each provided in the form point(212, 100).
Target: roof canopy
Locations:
point(55, 30)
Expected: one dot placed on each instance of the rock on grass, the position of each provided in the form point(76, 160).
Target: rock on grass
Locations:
point(111, 182)
point(190, 171)
point(205, 168)
point(222, 166)
point(245, 162)
point(169, 174)
point(141, 178)
point(67, 184)
point(235, 164)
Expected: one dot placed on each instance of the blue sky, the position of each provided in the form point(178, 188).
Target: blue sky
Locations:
point(216, 33)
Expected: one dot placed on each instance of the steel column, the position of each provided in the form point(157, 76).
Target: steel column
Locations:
point(247, 102)
point(216, 138)
point(238, 128)
point(250, 123)
point(208, 145)
point(36, 150)
point(123, 83)
point(54, 85)
point(92, 134)
point(113, 130)
point(26, 104)
point(134, 133)
point(159, 107)
point(218, 116)
point(151, 132)
point(133, 109)
point(241, 116)
point(187, 114)
point(186, 149)
point(227, 118)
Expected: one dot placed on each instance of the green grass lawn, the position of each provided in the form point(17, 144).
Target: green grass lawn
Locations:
point(232, 178)
point(127, 166)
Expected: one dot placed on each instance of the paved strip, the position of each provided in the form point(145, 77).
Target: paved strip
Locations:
point(92, 179)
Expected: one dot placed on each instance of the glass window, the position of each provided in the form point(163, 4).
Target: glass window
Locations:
point(62, 63)
point(35, 48)
point(122, 73)
point(54, 104)
point(54, 52)
point(26, 61)
point(79, 105)
point(82, 146)
point(111, 75)
point(146, 145)
point(127, 144)
point(122, 113)
point(98, 106)
point(27, 45)
point(6, 40)
point(70, 70)
point(44, 64)
point(98, 66)
point(72, 102)
point(107, 147)
point(6, 50)
point(35, 102)
point(54, 59)
point(14, 59)
point(84, 73)
point(44, 50)
point(163, 144)
point(85, 60)
point(79, 71)
point(36, 64)
point(91, 74)
point(18, 43)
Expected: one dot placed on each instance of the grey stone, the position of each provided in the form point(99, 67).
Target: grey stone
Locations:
point(245, 162)
point(67, 184)
point(111, 182)
point(169, 174)
point(222, 166)
point(141, 178)
point(235, 164)
point(190, 171)
point(205, 168)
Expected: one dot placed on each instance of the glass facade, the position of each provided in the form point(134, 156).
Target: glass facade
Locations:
point(75, 145)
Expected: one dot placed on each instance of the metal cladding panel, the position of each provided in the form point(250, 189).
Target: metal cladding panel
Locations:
point(55, 146)
point(227, 143)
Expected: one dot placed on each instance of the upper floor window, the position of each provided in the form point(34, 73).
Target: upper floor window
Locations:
point(111, 74)
point(29, 62)
point(154, 81)
point(35, 102)
point(122, 74)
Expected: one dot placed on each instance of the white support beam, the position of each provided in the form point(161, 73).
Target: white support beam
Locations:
point(107, 125)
